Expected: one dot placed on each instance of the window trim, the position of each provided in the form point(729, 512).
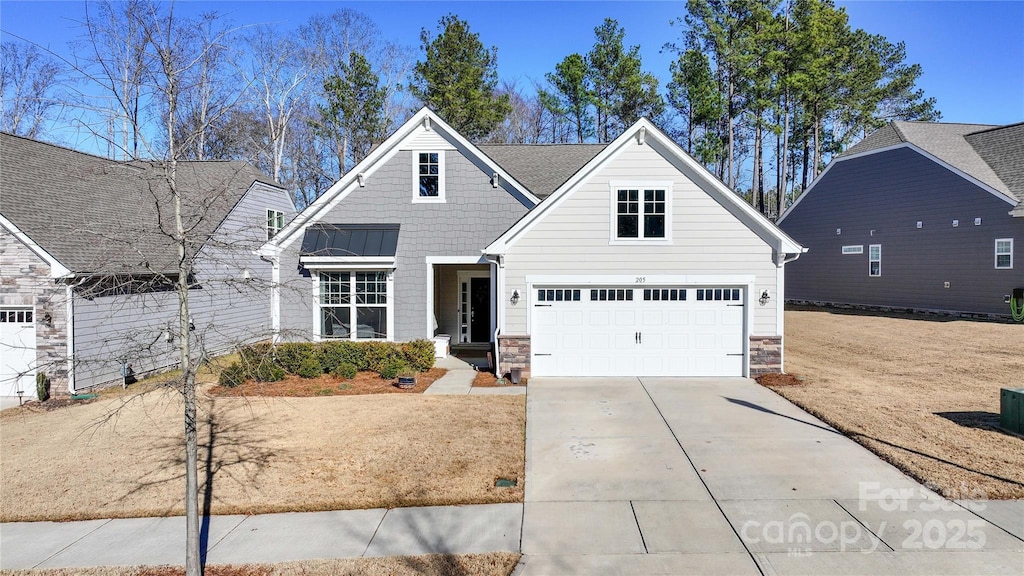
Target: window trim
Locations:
point(998, 253)
point(641, 185)
point(416, 198)
point(353, 305)
point(853, 249)
point(276, 216)
point(872, 260)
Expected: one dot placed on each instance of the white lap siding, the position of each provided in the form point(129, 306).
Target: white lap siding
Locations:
point(573, 240)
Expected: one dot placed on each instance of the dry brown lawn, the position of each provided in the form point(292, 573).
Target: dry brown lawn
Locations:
point(921, 393)
point(491, 564)
point(121, 455)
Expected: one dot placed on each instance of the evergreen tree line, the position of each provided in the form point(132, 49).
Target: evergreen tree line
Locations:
point(762, 92)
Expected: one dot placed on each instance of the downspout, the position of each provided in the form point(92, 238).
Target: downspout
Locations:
point(275, 297)
point(499, 307)
point(69, 304)
point(780, 312)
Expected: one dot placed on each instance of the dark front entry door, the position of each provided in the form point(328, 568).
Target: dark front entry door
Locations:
point(480, 309)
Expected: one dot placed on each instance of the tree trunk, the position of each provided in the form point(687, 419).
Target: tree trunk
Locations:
point(193, 566)
point(785, 153)
point(758, 187)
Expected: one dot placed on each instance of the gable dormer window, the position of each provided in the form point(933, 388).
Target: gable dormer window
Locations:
point(641, 212)
point(428, 171)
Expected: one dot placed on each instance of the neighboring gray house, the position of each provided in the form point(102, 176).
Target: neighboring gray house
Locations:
point(85, 266)
point(565, 260)
point(918, 215)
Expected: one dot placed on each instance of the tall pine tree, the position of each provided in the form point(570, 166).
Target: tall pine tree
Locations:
point(458, 79)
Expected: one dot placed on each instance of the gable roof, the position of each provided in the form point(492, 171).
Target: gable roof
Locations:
point(377, 158)
point(98, 216)
point(542, 167)
point(646, 133)
point(989, 156)
point(974, 149)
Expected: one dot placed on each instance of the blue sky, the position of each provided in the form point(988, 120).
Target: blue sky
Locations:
point(972, 52)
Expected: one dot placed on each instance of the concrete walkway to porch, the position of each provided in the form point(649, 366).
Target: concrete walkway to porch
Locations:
point(459, 380)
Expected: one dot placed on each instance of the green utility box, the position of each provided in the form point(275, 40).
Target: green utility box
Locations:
point(1011, 410)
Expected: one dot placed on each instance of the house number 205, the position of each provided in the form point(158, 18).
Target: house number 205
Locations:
point(641, 279)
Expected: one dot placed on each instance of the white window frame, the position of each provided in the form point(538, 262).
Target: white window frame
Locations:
point(872, 260)
point(275, 222)
point(416, 198)
point(998, 253)
point(641, 186)
point(853, 249)
point(353, 305)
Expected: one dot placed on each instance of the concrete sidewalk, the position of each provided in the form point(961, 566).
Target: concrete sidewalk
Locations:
point(266, 538)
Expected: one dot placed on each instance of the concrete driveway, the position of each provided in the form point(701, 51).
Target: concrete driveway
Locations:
point(723, 476)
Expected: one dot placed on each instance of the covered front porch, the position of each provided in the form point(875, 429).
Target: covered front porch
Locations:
point(462, 304)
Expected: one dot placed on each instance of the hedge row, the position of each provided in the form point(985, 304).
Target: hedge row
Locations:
point(265, 362)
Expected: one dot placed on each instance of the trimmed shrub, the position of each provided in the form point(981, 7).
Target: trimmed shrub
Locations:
point(254, 354)
point(233, 375)
point(333, 354)
point(390, 371)
point(268, 371)
point(345, 370)
point(419, 354)
point(292, 355)
point(42, 387)
point(310, 368)
point(379, 355)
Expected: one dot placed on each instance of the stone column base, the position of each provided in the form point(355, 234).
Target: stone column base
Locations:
point(514, 352)
point(765, 355)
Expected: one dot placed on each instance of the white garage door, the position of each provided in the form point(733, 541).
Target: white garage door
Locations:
point(17, 351)
point(637, 331)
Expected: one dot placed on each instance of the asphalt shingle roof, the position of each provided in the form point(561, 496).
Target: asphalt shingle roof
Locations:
point(992, 154)
point(542, 168)
point(100, 216)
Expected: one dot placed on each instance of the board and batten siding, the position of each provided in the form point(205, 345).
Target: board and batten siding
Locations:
point(473, 215)
point(879, 199)
point(229, 308)
point(574, 239)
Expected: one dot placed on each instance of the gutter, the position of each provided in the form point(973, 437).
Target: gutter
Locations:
point(499, 307)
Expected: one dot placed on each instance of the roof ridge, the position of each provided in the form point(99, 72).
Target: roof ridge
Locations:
point(899, 133)
point(993, 128)
point(65, 148)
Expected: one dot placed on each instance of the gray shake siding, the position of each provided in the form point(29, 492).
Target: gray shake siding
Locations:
point(474, 214)
point(227, 309)
point(878, 199)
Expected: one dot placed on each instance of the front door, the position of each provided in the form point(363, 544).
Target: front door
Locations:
point(480, 309)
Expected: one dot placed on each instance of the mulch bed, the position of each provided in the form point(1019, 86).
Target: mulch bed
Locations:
point(328, 385)
point(776, 379)
point(485, 379)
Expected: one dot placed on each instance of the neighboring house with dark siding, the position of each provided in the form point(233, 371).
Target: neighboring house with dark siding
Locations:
point(918, 215)
point(86, 262)
point(563, 260)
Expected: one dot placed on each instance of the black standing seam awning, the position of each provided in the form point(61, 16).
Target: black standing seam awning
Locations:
point(351, 240)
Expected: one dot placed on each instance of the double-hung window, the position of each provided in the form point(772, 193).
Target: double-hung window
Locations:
point(1004, 253)
point(275, 222)
point(353, 305)
point(641, 212)
point(875, 260)
point(428, 172)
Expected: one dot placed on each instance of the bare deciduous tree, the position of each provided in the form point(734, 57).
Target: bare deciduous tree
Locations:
point(27, 79)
